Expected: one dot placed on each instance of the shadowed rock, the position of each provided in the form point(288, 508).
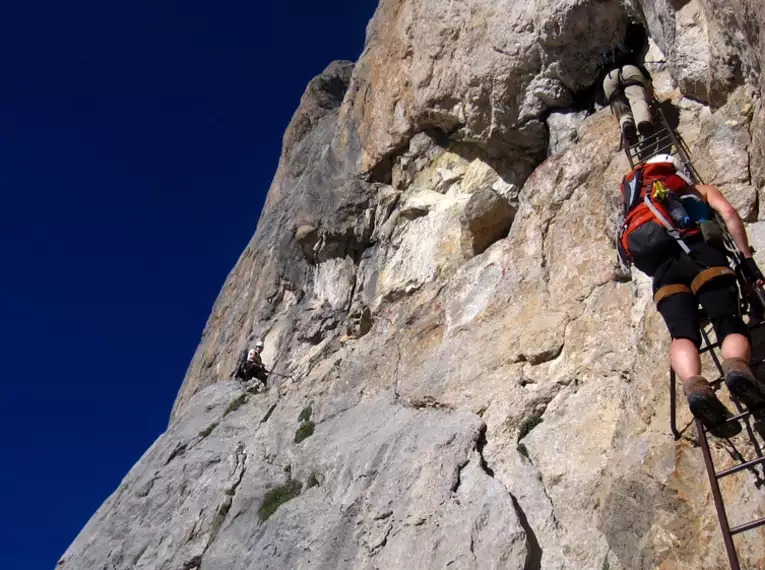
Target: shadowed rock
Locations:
point(486, 219)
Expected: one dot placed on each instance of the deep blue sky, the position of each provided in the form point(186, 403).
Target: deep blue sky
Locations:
point(137, 143)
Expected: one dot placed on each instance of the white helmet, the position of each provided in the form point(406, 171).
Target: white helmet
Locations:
point(259, 344)
point(674, 161)
point(251, 353)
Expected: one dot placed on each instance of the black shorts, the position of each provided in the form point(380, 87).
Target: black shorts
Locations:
point(719, 297)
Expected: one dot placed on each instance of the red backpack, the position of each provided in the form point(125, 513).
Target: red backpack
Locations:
point(648, 228)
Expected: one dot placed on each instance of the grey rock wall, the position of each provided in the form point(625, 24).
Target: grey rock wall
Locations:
point(377, 480)
point(477, 383)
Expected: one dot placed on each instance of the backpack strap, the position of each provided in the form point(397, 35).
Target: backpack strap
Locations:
point(671, 230)
point(632, 188)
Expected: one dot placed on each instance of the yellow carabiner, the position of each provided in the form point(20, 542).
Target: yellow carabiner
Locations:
point(659, 191)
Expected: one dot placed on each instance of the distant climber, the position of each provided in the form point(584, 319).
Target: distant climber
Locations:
point(626, 86)
point(666, 218)
point(252, 366)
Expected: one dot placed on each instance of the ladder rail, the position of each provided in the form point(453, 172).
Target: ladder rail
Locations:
point(722, 515)
point(713, 475)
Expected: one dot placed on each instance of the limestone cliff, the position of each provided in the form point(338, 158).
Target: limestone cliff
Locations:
point(477, 383)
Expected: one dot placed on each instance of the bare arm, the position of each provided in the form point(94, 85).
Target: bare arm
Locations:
point(728, 213)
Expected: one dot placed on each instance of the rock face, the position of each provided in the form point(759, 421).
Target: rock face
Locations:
point(477, 383)
point(363, 495)
point(487, 218)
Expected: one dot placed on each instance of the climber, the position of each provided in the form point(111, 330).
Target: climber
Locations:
point(626, 86)
point(252, 366)
point(663, 234)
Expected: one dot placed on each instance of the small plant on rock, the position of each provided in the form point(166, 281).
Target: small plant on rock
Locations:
point(208, 430)
point(529, 423)
point(305, 415)
point(304, 431)
point(235, 405)
point(276, 497)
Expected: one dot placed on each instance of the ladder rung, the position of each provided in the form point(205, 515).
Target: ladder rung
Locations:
point(740, 467)
point(657, 141)
point(665, 136)
point(649, 141)
point(709, 347)
point(747, 526)
point(741, 416)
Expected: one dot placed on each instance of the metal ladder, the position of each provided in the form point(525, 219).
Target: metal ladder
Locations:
point(666, 141)
point(743, 415)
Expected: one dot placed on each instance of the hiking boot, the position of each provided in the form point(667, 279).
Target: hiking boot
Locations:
point(743, 384)
point(706, 407)
point(645, 129)
point(630, 134)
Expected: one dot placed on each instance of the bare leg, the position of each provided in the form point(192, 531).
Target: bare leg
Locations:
point(736, 346)
point(684, 357)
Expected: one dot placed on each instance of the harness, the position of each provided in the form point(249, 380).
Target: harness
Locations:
point(709, 274)
point(624, 83)
point(615, 59)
